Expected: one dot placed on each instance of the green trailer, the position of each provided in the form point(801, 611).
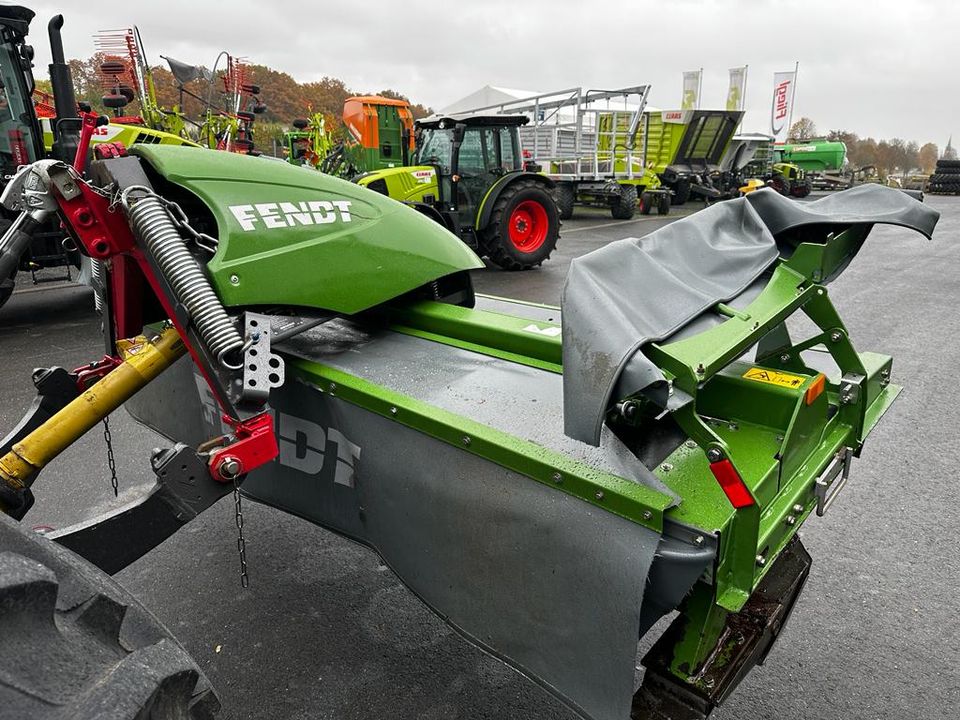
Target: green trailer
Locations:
point(824, 163)
point(552, 481)
point(818, 156)
point(685, 148)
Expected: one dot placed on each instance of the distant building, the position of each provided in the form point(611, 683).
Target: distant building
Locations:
point(948, 152)
point(485, 96)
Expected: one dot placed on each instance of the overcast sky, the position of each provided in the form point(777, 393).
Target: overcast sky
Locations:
point(881, 69)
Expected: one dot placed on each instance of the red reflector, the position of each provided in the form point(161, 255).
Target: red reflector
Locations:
point(731, 483)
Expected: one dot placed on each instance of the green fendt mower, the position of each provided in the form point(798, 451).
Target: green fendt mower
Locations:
point(552, 481)
point(468, 174)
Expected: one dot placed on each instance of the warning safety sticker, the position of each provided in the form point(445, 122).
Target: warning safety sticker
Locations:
point(774, 377)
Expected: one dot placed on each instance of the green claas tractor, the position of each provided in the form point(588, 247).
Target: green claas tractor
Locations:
point(789, 179)
point(552, 481)
point(468, 174)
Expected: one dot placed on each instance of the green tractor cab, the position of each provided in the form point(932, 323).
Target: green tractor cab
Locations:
point(468, 173)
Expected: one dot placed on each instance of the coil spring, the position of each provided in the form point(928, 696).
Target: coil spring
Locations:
point(152, 224)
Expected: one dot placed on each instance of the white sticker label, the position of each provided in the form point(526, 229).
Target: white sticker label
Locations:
point(423, 177)
point(550, 331)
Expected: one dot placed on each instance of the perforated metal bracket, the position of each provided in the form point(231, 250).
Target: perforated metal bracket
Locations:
point(262, 369)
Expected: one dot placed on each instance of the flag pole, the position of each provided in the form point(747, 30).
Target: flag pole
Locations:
point(743, 97)
point(793, 96)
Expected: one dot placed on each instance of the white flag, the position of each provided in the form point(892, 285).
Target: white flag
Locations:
point(738, 88)
point(783, 88)
point(691, 90)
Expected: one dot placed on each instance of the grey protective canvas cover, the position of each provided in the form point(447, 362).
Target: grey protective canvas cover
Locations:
point(635, 291)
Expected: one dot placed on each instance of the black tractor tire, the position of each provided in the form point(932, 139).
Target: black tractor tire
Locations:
point(624, 205)
point(681, 191)
point(800, 189)
point(114, 102)
point(663, 205)
point(948, 171)
point(948, 165)
point(74, 644)
point(779, 184)
point(6, 288)
point(7, 284)
point(566, 196)
point(646, 203)
point(496, 240)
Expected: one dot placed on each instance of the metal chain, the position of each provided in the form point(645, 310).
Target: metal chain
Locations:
point(241, 544)
point(179, 218)
point(111, 461)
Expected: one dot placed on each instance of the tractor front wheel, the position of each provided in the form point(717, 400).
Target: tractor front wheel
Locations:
point(524, 226)
point(74, 644)
point(780, 185)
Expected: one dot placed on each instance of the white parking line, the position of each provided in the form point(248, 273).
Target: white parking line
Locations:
point(624, 222)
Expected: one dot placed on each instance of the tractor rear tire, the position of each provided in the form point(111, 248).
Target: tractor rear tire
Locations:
point(74, 644)
point(566, 196)
point(663, 205)
point(943, 165)
point(681, 191)
point(800, 189)
point(6, 288)
point(524, 226)
point(624, 205)
point(7, 284)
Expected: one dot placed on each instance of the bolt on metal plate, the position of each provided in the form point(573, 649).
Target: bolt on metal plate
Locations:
point(262, 369)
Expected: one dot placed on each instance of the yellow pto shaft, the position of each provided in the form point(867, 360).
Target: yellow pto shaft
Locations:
point(143, 361)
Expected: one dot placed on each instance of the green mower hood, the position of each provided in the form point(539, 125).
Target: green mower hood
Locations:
point(291, 236)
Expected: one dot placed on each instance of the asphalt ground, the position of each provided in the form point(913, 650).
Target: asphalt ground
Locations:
point(326, 631)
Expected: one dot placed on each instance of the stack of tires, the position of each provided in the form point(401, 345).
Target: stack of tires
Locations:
point(946, 178)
